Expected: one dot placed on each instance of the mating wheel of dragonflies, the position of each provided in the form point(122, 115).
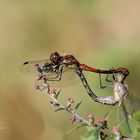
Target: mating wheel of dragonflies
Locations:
point(59, 69)
point(64, 69)
point(121, 97)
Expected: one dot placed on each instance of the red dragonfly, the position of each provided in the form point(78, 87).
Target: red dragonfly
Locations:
point(54, 69)
point(59, 68)
point(56, 65)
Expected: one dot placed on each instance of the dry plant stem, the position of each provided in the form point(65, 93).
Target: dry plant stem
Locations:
point(68, 109)
point(52, 94)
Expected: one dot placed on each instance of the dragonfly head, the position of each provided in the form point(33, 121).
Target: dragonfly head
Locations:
point(121, 74)
point(119, 77)
point(124, 71)
point(55, 58)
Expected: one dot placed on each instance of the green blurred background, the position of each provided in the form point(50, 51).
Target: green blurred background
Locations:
point(102, 34)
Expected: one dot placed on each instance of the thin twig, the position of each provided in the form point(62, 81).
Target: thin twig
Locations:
point(51, 92)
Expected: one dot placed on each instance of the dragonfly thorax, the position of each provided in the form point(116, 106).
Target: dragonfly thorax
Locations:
point(120, 91)
point(119, 77)
point(70, 60)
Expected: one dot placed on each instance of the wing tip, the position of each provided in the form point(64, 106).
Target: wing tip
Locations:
point(25, 63)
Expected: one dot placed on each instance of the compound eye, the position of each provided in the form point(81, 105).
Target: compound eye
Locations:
point(55, 57)
point(47, 68)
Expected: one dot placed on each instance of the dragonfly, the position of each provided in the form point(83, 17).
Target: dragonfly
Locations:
point(120, 95)
point(54, 69)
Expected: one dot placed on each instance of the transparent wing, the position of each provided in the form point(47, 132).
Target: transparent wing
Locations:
point(125, 111)
point(124, 116)
point(132, 103)
point(68, 78)
point(29, 67)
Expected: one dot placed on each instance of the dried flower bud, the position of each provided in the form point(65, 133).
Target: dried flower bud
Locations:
point(102, 120)
point(53, 91)
point(43, 77)
point(73, 119)
point(46, 85)
point(91, 116)
point(70, 100)
point(36, 65)
point(116, 129)
point(102, 123)
point(95, 125)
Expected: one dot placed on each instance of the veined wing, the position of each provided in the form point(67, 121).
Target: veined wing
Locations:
point(124, 117)
point(132, 103)
point(125, 111)
point(68, 78)
point(29, 67)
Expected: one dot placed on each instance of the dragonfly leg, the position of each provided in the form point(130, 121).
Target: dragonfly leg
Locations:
point(101, 86)
point(58, 75)
point(108, 80)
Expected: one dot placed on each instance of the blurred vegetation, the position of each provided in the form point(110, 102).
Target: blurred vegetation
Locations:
point(102, 34)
